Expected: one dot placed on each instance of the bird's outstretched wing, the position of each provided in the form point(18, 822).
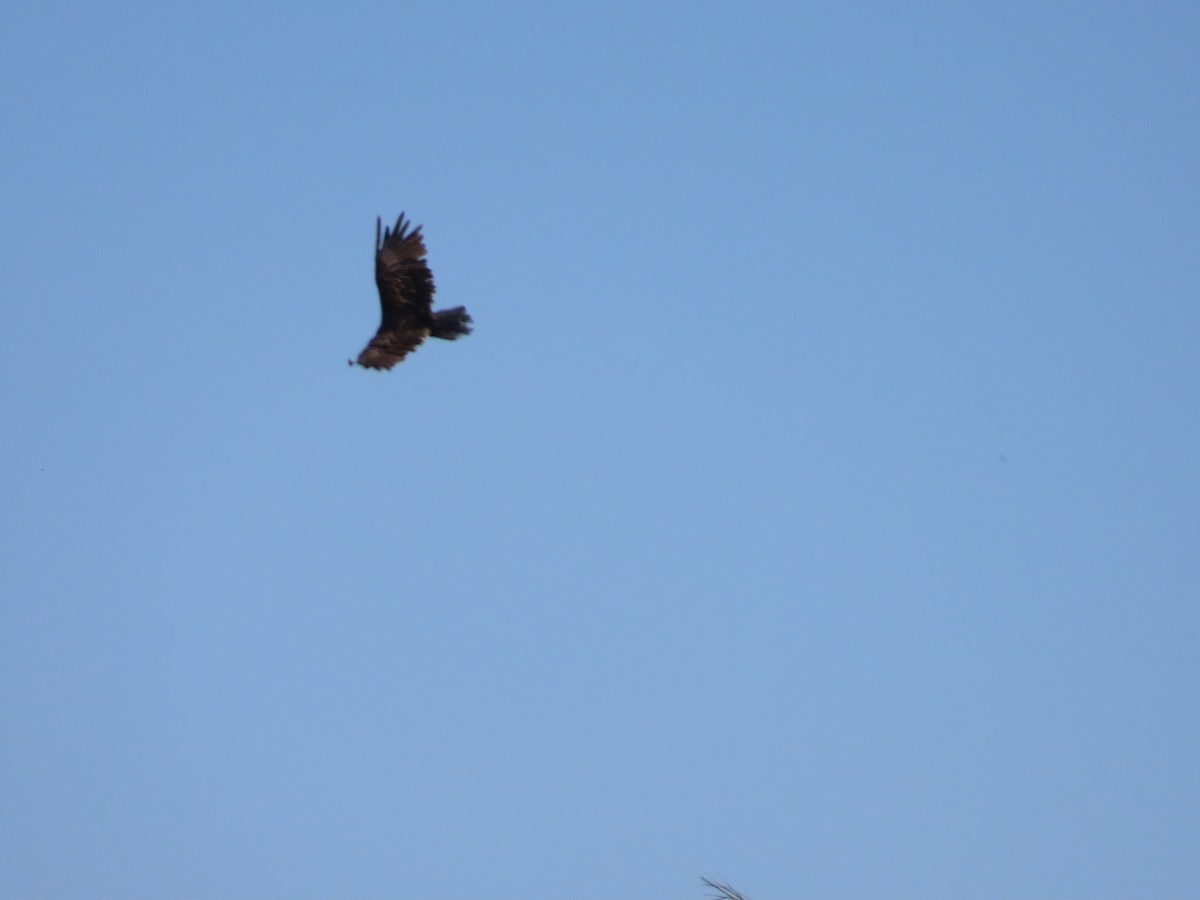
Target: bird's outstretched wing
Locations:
point(405, 294)
point(404, 280)
point(723, 891)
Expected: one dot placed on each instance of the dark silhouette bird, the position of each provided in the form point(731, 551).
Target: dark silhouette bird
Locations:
point(406, 296)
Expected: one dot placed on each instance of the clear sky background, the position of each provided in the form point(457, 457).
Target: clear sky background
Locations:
point(815, 506)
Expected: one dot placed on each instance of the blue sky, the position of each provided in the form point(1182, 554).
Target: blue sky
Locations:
point(815, 506)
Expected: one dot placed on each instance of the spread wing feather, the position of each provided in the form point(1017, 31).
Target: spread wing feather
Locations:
point(405, 294)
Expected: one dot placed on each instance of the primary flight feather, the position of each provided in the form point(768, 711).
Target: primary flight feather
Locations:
point(406, 297)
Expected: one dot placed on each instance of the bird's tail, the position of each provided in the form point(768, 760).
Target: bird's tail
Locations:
point(451, 324)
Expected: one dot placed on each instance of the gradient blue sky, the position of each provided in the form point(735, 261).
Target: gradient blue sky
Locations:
point(815, 506)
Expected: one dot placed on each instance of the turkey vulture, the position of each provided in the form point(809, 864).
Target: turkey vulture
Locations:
point(406, 295)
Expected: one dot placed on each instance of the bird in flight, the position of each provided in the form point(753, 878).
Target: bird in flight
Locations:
point(406, 296)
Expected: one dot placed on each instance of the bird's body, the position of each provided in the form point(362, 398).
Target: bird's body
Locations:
point(406, 297)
